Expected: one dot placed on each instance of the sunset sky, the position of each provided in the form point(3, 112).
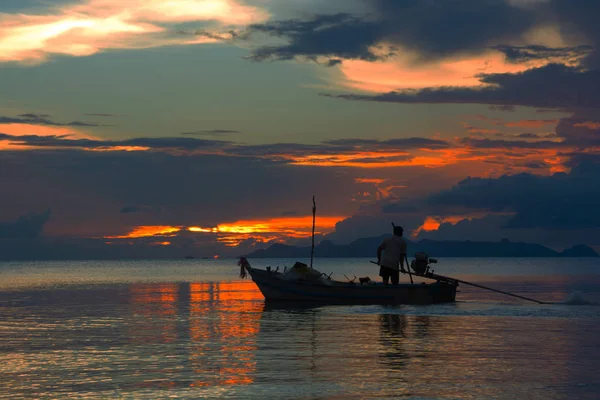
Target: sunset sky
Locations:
point(205, 127)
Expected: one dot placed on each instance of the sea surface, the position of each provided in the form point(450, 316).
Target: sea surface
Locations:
point(192, 329)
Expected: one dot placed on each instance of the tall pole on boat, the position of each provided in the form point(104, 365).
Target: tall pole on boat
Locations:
point(312, 247)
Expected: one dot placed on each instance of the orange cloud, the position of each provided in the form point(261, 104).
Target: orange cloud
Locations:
point(20, 129)
point(117, 148)
point(404, 72)
point(65, 132)
point(270, 229)
point(433, 222)
point(530, 123)
point(148, 231)
point(481, 131)
point(588, 125)
point(379, 159)
point(23, 129)
point(381, 191)
point(232, 234)
point(295, 226)
point(369, 180)
point(97, 25)
point(165, 243)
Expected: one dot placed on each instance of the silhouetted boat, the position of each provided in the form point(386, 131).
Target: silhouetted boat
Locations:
point(302, 283)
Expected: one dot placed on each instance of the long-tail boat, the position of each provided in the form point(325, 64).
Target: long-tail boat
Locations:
point(304, 284)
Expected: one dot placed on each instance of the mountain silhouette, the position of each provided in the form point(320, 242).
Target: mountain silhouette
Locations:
point(367, 247)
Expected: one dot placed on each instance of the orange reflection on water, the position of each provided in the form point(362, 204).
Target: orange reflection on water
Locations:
point(163, 295)
point(224, 313)
point(157, 303)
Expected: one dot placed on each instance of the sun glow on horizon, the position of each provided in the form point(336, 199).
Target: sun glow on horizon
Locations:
point(148, 231)
point(232, 234)
point(270, 229)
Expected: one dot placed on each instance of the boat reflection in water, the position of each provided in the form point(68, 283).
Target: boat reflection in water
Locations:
point(375, 351)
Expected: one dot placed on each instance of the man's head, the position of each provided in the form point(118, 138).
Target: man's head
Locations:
point(398, 230)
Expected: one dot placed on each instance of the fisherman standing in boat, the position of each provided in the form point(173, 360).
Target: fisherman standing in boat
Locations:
point(394, 253)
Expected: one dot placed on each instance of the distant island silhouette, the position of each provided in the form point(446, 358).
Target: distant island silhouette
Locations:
point(367, 247)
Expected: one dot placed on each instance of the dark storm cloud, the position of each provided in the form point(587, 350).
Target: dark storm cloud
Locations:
point(402, 143)
point(153, 143)
point(530, 135)
point(26, 226)
point(201, 190)
point(582, 128)
point(35, 116)
point(290, 149)
point(434, 28)
point(231, 34)
point(536, 52)
point(511, 144)
point(337, 146)
point(493, 228)
point(441, 28)
point(551, 86)
point(577, 158)
point(334, 36)
point(535, 165)
point(40, 119)
point(560, 201)
point(578, 18)
point(330, 147)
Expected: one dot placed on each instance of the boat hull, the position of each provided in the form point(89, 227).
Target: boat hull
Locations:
point(276, 289)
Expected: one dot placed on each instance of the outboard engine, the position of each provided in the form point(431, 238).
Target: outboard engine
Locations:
point(421, 263)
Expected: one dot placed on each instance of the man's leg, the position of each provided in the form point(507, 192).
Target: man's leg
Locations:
point(395, 277)
point(383, 273)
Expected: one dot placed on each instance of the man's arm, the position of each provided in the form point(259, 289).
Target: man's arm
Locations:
point(403, 255)
point(379, 250)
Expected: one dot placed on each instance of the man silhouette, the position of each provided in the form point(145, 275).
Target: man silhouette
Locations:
point(394, 253)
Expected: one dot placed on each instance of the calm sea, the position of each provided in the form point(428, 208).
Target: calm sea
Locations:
point(191, 329)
